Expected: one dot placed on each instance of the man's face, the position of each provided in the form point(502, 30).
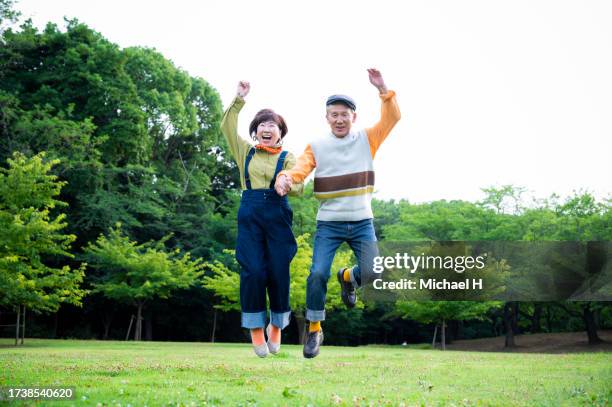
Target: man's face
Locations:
point(340, 119)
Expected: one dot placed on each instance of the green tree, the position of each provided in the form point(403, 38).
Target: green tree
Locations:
point(137, 273)
point(138, 137)
point(7, 13)
point(441, 312)
point(32, 241)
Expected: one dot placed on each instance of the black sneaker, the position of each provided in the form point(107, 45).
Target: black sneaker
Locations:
point(312, 344)
point(349, 295)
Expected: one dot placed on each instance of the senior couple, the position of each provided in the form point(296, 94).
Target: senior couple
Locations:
point(343, 183)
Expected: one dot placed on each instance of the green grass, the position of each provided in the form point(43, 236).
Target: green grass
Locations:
point(116, 373)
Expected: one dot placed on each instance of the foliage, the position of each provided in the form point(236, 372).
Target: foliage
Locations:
point(32, 241)
point(136, 273)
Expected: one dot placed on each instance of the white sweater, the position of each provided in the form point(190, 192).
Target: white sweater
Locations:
point(344, 177)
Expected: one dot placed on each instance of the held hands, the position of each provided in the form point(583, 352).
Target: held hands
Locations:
point(283, 184)
point(377, 80)
point(243, 89)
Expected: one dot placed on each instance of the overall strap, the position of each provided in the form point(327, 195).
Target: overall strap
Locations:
point(247, 179)
point(279, 168)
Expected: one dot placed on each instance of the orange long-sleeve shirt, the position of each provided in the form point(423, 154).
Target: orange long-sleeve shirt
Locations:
point(389, 116)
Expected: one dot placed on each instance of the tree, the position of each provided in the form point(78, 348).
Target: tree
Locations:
point(136, 274)
point(7, 13)
point(582, 218)
point(305, 209)
point(138, 137)
point(440, 312)
point(457, 221)
point(32, 242)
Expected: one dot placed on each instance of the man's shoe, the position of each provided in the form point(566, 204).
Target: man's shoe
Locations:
point(349, 295)
point(313, 342)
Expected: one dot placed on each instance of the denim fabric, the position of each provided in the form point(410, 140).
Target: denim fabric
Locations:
point(264, 250)
point(329, 236)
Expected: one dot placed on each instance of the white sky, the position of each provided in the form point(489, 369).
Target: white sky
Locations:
point(491, 92)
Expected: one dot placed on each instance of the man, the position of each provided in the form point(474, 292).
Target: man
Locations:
point(344, 182)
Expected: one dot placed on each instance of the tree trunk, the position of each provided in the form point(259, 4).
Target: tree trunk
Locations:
point(149, 326)
point(214, 328)
point(433, 342)
point(24, 324)
point(138, 329)
point(55, 323)
point(588, 317)
point(107, 320)
point(127, 335)
point(535, 319)
point(301, 324)
point(494, 325)
point(515, 316)
point(548, 319)
point(443, 334)
point(509, 343)
point(106, 330)
point(17, 325)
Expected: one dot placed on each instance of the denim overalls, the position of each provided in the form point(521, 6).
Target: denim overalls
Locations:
point(264, 250)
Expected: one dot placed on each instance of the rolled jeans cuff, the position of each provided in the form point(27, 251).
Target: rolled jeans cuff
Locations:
point(315, 316)
point(280, 319)
point(253, 320)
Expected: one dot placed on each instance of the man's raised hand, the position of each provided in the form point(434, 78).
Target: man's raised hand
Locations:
point(243, 89)
point(377, 80)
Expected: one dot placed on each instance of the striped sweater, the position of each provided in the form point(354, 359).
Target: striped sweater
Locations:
point(344, 176)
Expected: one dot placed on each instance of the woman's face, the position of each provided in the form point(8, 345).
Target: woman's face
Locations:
point(268, 134)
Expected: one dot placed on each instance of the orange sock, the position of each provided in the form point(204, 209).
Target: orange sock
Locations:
point(257, 336)
point(346, 276)
point(314, 326)
point(275, 334)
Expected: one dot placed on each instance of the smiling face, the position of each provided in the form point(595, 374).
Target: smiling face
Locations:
point(268, 133)
point(340, 118)
point(268, 128)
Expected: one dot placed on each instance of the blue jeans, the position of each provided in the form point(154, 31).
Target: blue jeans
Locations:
point(329, 236)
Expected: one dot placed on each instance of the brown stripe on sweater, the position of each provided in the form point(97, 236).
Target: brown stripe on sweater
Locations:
point(347, 181)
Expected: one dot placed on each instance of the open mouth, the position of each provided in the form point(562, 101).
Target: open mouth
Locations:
point(266, 137)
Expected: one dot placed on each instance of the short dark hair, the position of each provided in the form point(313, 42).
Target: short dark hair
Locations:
point(266, 115)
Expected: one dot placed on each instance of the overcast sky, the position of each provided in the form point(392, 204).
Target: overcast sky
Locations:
point(491, 92)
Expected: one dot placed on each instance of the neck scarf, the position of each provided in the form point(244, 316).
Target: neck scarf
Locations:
point(271, 150)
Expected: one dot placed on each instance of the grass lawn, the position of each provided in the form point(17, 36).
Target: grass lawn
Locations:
point(113, 373)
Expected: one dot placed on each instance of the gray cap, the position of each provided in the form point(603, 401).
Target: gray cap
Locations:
point(345, 100)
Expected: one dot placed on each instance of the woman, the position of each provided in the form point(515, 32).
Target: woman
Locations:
point(265, 244)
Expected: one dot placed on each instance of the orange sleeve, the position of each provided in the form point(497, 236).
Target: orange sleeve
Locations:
point(389, 116)
point(304, 165)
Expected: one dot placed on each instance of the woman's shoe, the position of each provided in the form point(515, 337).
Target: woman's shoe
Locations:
point(274, 348)
point(261, 350)
point(257, 335)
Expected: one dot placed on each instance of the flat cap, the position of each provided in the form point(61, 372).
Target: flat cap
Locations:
point(345, 100)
